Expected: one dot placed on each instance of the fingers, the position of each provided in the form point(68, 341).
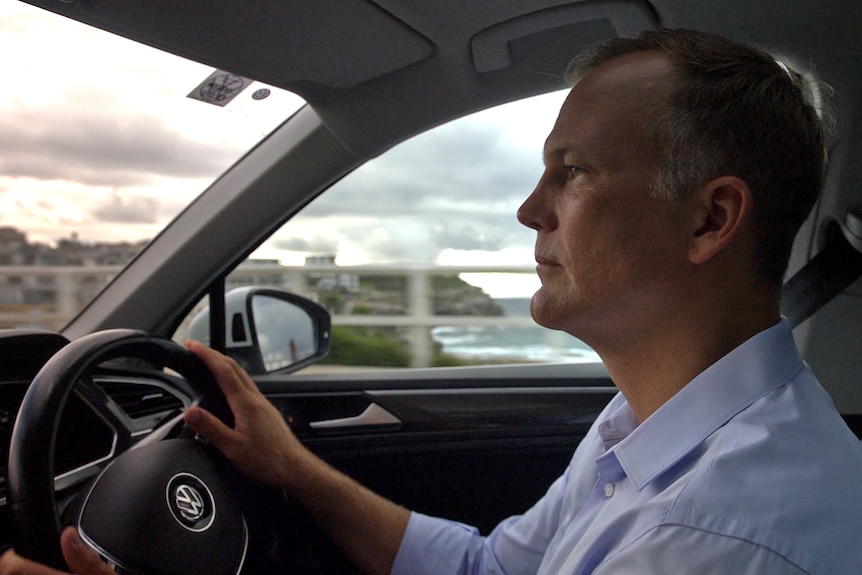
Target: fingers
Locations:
point(231, 378)
point(13, 564)
point(260, 444)
point(207, 425)
point(235, 383)
point(80, 558)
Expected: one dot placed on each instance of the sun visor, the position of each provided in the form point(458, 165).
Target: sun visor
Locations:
point(281, 43)
point(564, 30)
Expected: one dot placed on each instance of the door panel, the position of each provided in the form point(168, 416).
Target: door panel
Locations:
point(470, 444)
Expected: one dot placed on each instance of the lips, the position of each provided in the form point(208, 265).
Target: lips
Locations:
point(545, 261)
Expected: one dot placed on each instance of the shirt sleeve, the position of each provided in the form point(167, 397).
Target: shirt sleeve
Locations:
point(669, 549)
point(434, 546)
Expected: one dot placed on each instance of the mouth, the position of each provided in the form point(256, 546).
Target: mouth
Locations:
point(544, 261)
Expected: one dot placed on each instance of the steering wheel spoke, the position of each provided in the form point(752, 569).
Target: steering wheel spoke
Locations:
point(95, 398)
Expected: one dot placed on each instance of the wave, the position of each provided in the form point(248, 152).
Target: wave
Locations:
point(533, 343)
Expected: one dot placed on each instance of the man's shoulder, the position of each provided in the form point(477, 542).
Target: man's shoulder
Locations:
point(784, 473)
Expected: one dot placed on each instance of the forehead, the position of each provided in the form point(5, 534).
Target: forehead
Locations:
point(629, 74)
point(611, 104)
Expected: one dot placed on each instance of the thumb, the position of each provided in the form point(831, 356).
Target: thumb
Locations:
point(209, 426)
point(81, 559)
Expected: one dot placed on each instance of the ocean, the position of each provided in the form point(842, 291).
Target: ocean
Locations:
point(527, 343)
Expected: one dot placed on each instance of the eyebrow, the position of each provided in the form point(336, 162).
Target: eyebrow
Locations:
point(558, 151)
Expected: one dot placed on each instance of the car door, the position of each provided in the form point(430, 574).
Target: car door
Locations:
point(470, 444)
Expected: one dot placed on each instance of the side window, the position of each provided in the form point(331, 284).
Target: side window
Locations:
point(418, 254)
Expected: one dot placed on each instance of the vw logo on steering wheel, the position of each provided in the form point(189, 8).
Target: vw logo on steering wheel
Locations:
point(191, 502)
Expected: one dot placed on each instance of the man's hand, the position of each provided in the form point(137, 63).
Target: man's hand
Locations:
point(260, 445)
point(366, 526)
point(81, 559)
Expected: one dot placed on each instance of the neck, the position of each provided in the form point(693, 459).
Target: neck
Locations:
point(652, 365)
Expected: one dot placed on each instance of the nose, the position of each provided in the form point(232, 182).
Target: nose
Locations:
point(537, 211)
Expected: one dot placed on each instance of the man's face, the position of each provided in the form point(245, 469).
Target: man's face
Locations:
point(607, 250)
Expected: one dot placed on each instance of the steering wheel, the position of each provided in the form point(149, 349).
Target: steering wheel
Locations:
point(168, 504)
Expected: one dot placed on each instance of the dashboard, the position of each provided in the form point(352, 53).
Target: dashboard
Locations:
point(119, 405)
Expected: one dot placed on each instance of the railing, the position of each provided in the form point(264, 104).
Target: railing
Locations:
point(48, 297)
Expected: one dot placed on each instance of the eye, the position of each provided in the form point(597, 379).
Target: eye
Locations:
point(575, 171)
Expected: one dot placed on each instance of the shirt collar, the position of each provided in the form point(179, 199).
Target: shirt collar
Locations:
point(763, 363)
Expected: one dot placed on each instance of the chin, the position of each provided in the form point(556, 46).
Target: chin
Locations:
point(561, 313)
point(547, 311)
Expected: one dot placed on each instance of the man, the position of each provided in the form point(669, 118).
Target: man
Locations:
point(676, 176)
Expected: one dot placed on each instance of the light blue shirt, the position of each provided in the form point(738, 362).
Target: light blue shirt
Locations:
point(749, 469)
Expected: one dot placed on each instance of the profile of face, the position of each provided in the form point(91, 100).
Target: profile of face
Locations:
point(607, 249)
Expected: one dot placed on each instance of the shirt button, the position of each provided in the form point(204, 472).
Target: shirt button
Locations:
point(609, 489)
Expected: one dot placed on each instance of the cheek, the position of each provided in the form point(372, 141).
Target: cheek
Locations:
point(611, 253)
point(594, 245)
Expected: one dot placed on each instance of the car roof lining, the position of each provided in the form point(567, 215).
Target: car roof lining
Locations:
point(544, 30)
point(270, 41)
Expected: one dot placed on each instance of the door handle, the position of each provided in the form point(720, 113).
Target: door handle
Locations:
point(373, 415)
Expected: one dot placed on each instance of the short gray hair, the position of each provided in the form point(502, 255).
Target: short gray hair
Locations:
point(732, 109)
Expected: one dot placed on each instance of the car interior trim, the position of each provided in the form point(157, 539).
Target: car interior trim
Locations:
point(492, 47)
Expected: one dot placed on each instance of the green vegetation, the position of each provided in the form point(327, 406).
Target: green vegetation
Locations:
point(387, 295)
point(374, 347)
point(384, 283)
point(366, 346)
point(449, 282)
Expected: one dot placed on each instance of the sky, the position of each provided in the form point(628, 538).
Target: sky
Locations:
point(99, 141)
point(97, 136)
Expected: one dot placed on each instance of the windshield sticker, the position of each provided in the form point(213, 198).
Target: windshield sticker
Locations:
point(220, 88)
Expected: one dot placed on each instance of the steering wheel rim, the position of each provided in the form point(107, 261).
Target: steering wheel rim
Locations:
point(31, 457)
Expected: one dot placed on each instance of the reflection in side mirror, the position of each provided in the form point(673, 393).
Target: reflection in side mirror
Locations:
point(269, 330)
point(286, 334)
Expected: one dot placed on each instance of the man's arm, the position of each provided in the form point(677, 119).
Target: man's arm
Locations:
point(367, 527)
point(688, 549)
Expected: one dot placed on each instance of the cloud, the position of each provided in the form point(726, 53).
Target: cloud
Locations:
point(407, 238)
point(42, 210)
point(457, 188)
point(77, 144)
point(316, 245)
point(128, 209)
point(105, 166)
point(454, 168)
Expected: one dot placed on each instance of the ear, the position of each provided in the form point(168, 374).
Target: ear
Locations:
point(722, 210)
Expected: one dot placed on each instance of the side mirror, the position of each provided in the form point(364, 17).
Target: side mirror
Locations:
point(269, 330)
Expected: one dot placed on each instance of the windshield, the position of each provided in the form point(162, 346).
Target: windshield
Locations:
point(102, 142)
